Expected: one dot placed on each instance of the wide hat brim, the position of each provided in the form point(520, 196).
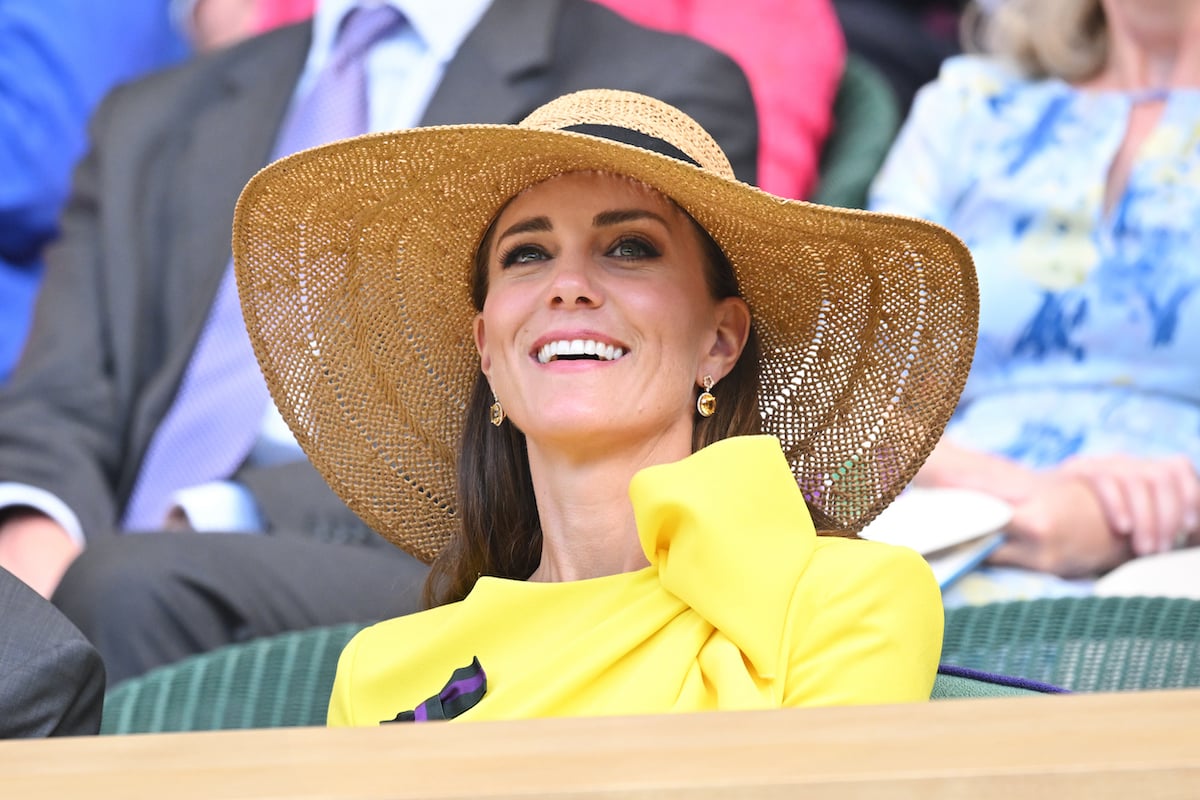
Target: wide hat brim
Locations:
point(353, 264)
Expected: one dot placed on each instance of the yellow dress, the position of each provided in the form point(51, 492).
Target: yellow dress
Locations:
point(742, 607)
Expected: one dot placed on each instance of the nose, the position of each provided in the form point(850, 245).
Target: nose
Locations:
point(574, 282)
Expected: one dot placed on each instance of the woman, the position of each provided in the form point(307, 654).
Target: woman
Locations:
point(591, 323)
point(1067, 161)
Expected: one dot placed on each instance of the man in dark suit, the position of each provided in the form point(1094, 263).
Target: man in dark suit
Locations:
point(144, 247)
point(51, 678)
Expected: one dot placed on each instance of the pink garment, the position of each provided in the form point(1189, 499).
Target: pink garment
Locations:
point(792, 52)
point(273, 13)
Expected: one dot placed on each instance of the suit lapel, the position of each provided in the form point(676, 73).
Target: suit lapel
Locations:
point(231, 137)
point(492, 77)
point(224, 133)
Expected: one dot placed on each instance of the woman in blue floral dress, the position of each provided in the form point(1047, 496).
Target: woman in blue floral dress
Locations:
point(1068, 160)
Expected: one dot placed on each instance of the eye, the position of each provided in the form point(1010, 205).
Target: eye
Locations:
point(633, 247)
point(522, 254)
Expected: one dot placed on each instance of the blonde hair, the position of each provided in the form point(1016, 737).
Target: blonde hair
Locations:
point(1065, 39)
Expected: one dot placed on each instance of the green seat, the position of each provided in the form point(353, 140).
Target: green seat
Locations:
point(866, 117)
point(285, 680)
point(278, 681)
point(1081, 644)
point(1085, 644)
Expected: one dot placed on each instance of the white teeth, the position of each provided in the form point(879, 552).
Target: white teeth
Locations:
point(578, 347)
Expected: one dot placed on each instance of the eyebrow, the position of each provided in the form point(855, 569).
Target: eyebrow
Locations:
point(603, 219)
point(530, 225)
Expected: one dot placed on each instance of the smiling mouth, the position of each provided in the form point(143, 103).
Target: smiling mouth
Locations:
point(578, 350)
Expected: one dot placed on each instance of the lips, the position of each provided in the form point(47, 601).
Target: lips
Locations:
point(578, 350)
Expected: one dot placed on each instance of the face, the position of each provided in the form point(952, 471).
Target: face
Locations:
point(598, 322)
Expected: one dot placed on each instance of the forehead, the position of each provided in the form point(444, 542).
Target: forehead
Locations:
point(590, 190)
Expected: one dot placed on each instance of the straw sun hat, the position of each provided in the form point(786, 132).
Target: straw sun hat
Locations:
point(353, 262)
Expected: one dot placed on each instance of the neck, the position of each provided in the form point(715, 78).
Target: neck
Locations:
point(588, 525)
point(1149, 49)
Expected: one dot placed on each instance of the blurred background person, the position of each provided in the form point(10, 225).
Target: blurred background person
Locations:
point(58, 58)
point(792, 52)
point(1066, 158)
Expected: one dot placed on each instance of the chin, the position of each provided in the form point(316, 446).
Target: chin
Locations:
point(552, 425)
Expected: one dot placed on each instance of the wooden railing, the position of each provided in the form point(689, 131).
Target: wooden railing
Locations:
point(1144, 746)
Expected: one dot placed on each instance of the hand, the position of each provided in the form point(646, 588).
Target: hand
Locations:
point(1061, 528)
point(177, 520)
point(1155, 502)
point(953, 466)
point(36, 549)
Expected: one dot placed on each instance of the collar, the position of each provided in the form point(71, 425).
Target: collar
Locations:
point(441, 26)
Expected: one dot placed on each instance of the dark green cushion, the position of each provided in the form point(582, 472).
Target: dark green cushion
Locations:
point(273, 682)
point(1084, 644)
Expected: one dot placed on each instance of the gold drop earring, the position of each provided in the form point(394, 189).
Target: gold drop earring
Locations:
point(497, 411)
point(706, 404)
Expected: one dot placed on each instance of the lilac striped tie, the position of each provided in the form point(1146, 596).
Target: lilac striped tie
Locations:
point(219, 407)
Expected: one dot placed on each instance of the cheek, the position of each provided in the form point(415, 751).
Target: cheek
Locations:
point(686, 317)
point(501, 318)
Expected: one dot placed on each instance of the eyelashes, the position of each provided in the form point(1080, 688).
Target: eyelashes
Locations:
point(627, 248)
point(633, 247)
point(522, 254)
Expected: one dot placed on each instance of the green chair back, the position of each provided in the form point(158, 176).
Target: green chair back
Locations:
point(273, 682)
point(285, 680)
point(866, 117)
point(1085, 644)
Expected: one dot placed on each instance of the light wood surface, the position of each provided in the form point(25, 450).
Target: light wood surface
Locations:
point(1133, 745)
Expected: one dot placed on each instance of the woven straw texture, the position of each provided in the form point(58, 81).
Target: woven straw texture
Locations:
point(1085, 644)
point(353, 261)
point(273, 682)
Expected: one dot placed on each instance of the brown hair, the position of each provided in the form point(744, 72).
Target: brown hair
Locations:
point(500, 533)
point(1065, 39)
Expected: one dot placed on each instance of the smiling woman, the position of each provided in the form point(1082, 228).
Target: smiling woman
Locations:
point(612, 265)
point(681, 383)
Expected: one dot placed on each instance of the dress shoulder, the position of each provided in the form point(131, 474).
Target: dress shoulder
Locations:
point(866, 626)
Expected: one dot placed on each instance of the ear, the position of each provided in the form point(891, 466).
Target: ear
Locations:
point(733, 328)
point(485, 360)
